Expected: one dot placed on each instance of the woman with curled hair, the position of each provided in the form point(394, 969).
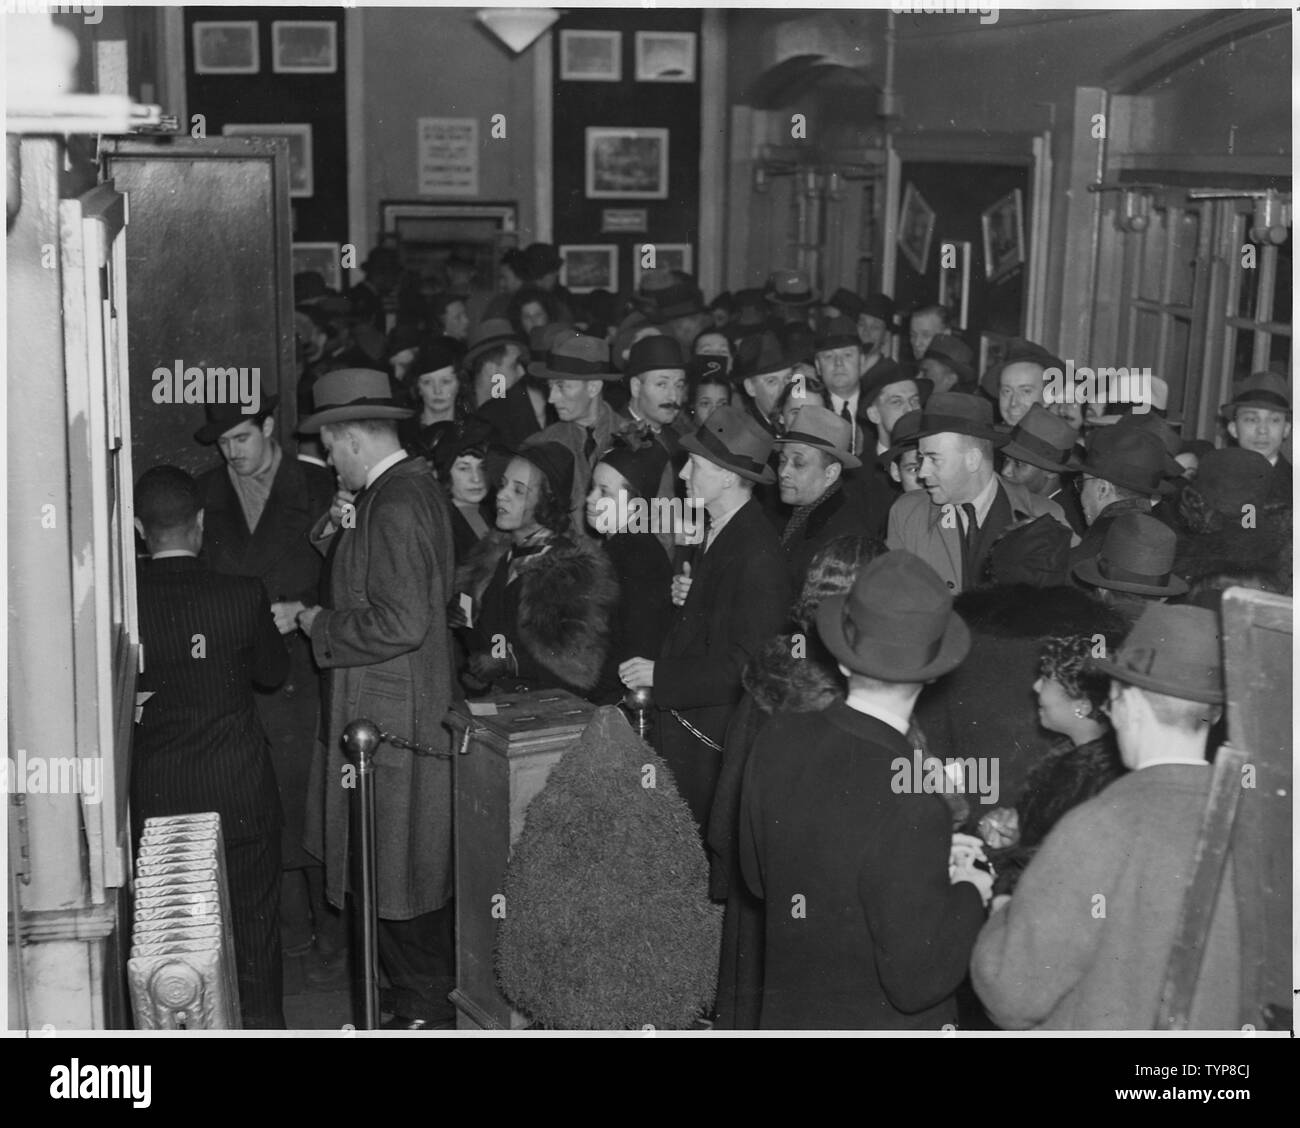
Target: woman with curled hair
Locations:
point(440, 399)
point(1071, 703)
point(543, 598)
point(531, 308)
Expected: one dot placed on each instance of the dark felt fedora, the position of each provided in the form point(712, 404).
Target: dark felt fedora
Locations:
point(1019, 351)
point(1231, 478)
point(555, 461)
point(541, 258)
point(885, 372)
point(846, 303)
point(733, 439)
point(354, 393)
point(837, 333)
point(1130, 457)
point(1175, 650)
point(905, 435)
point(642, 467)
point(896, 623)
point(1137, 556)
point(761, 355)
point(652, 353)
point(881, 307)
point(818, 426)
point(1155, 424)
point(490, 334)
point(576, 357)
point(961, 414)
point(789, 287)
point(956, 354)
point(221, 417)
point(1263, 389)
point(1042, 439)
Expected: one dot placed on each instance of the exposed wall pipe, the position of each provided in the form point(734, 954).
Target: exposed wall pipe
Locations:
point(1098, 178)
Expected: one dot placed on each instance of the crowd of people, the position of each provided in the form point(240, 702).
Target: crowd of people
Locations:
point(822, 542)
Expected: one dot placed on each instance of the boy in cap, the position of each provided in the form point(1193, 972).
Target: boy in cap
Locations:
point(1259, 419)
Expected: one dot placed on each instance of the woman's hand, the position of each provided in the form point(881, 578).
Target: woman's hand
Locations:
point(1000, 828)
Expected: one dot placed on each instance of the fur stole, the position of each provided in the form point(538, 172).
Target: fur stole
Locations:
point(782, 683)
point(567, 599)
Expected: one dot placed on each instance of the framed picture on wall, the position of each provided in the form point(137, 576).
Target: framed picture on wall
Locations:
point(627, 164)
point(915, 228)
point(323, 258)
point(301, 180)
point(1003, 224)
point(226, 47)
point(954, 278)
point(304, 47)
point(667, 256)
point(591, 56)
point(993, 347)
point(665, 56)
point(589, 267)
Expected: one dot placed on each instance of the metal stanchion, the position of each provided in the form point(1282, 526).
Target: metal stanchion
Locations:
point(639, 702)
point(361, 738)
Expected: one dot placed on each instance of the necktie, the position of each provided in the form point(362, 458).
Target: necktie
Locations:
point(847, 416)
point(969, 535)
point(589, 447)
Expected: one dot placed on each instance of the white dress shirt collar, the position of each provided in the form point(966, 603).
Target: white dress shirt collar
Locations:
point(382, 465)
point(862, 703)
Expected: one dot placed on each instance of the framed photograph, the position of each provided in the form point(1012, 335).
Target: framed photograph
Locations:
point(1003, 224)
point(590, 267)
point(668, 256)
point(954, 278)
point(665, 56)
point(915, 228)
point(323, 258)
point(993, 347)
point(226, 47)
point(301, 180)
point(627, 164)
point(304, 47)
point(591, 56)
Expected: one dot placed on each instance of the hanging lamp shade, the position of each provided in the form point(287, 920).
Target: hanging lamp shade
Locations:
point(517, 28)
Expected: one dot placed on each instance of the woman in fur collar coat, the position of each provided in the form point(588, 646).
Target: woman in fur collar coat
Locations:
point(543, 598)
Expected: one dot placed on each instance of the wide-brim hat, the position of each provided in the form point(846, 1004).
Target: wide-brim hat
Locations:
point(1019, 351)
point(354, 393)
point(955, 354)
point(881, 307)
point(1234, 477)
point(837, 333)
point(962, 414)
point(817, 426)
point(905, 435)
point(758, 355)
point(885, 372)
point(489, 334)
point(847, 302)
point(789, 287)
point(576, 357)
point(650, 354)
point(1174, 650)
point(1042, 439)
point(1131, 457)
point(896, 623)
point(1266, 390)
point(642, 466)
point(221, 417)
point(1148, 421)
point(1136, 556)
point(542, 258)
point(555, 461)
point(733, 439)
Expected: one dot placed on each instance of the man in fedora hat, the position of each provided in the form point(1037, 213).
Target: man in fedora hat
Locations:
point(867, 925)
point(1018, 380)
point(924, 325)
point(875, 326)
point(669, 299)
point(1037, 457)
point(504, 398)
point(1135, 565)
point(814, 455)
point(1048, 959)
point(902, 458)
point(1259, 419)
point(949, 364)
point(382, 640)
point(734, 596)
point(953, 525)
point(842, 303)
point(259, 508)
point(789, 296)
point(577, 369)
point(1124, 469)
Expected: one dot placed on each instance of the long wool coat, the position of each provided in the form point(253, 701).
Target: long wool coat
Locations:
point(385, 646)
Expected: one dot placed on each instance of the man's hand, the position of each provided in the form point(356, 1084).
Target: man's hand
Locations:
point(286, 615)
point(681, 586)
point(486, 668)
point(966, 850)
point(306, 618)
point(341, 506)
point(637, 673)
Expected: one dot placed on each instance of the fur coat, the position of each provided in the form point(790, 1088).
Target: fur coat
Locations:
point(556, 616)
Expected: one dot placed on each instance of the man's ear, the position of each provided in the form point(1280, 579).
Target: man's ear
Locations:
point(749, 387)
point(268, 425)
point(1232, 429)
point(834, 471)
point(634, 386)
point(1286, 431)
point(873, 413)
point(894, 473)
point(139, 528)
point(198, 520)
point(594, 387)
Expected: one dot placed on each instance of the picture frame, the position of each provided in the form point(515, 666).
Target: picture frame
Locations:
point(628, 221)
point(302, 182)
point(626, 163)
point(304, 47)
point(591, 56)
point(226, 47)
point(665, 56)
point(915, 228)
point(954, 278)
point(993, 347)
point(668, 256)
point(590, 266)
point(1003, 227)
point(324, 258)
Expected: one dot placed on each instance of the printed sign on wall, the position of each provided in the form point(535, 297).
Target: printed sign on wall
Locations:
point(448, 156)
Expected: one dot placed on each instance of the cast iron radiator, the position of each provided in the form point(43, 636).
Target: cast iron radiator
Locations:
point(182, 968)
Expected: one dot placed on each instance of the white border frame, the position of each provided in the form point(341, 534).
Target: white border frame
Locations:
point(1016, 199)
point(610, 250)
point(275, 129)
point(595, 132)
point(333, 277)
point(277, 26)
point(247, 25)
point(613, 38)
point(912, 197)
point(686, 38)
point(688, 259)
